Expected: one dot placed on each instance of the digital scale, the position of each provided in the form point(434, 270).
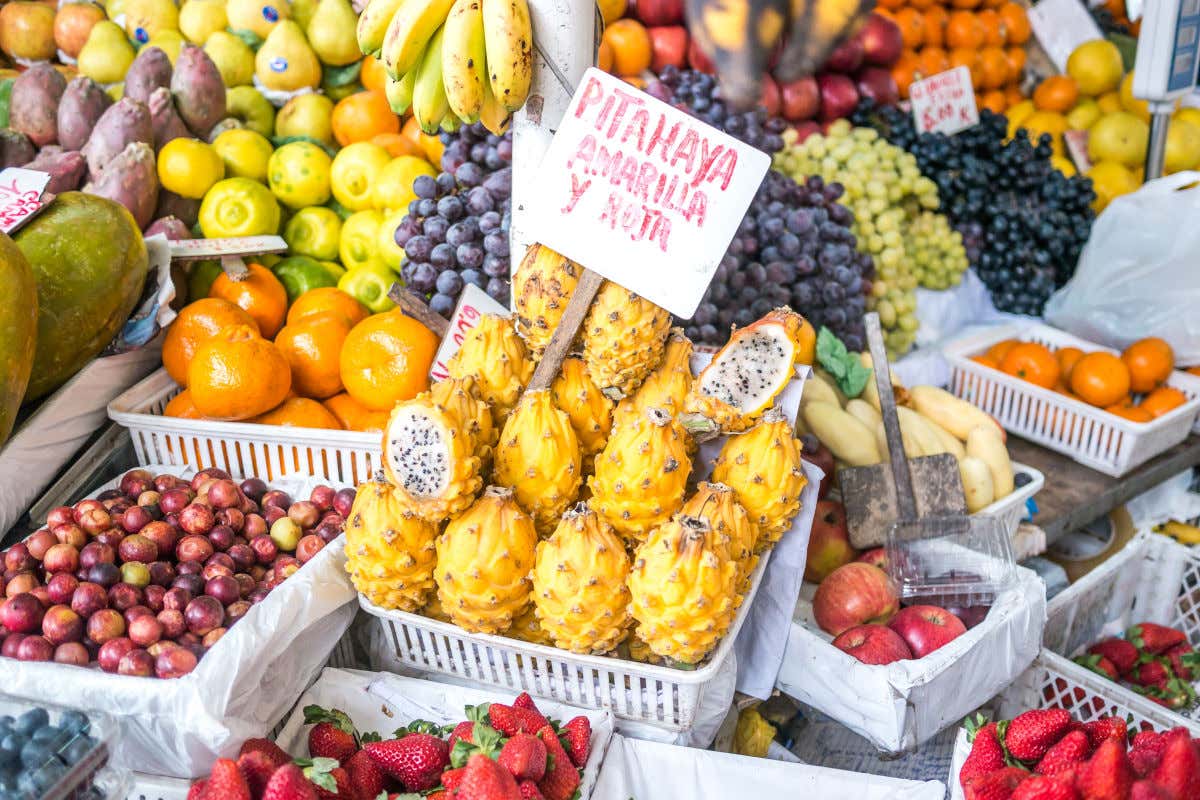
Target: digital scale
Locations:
point(1165, 69)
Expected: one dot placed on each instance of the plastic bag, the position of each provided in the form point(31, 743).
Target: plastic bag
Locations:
point(1137, 275)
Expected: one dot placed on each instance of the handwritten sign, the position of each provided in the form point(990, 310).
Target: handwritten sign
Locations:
point(642, 193)
point(944, 103)
point(1060, 26)
point(20, 196)
point(201, 249)
point(473, 303)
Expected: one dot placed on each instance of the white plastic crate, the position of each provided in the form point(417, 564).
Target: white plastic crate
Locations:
point(660, 696)
point(1013, 508)
point(1094, 437)
point(240, 448)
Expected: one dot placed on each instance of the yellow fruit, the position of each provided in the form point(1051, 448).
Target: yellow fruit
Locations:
point(526, 628)
point(314, 232)
point(1063, 164)
point(623, 338)
point(496, 358)
point(591, 413)
point(233, 57)
point(1110, 179)
point(1139, 108)
point(1096, 67)
point(238, 207)
point(542, 286)
point(306, 115)
point(1183, 146)
point(390, 554)
point(461, 399)
point(1019, 113)
point(189, 167)
point(734, 535)
point(1050, 122)
point(537, 456)
point(1083, 115)
point(1188, 114)
point(145, 18)
point(1109, 102)
point(1120, 137)
point(429, 461)
point(355, 170)
point(392, 188)
point(168, 40)
point(199, 19)
point(389, 252)
point(668, 386)
point(359, 242)
point(299, 174)
point(245, 153)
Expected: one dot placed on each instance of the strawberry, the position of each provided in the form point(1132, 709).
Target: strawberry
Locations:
point(998, 785)
point(484, 779)
point(1146, 752)
point(1151, 672)
point(417, 760)
point(1120, 653)
point(366, 777)
point(332, 735)
point(1069, 751)
point(1154, 639)
point(1146, 790)
point(225, 782)
point(196, 790)
point(1106, 728)
point(451, 778)
point(463, 731)
point(1029, 735)
point(1099, 665)
point(1185, 662)
point(510, 720)
point(1042, 787)
point(987, 754)
point(529, 791)
point(524, 756)
point(289, 783)
point(1106, 775)
point(523, 700)
point(577, 733)
point(331, 781)
point(561, 778)
point(272, 751)
point(257, 768)
point(1179, 770)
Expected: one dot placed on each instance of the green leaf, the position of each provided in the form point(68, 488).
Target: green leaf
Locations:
point(370, 736)
point(844, 366)
point(341, 76)
point(252, 39)
point(421, 726)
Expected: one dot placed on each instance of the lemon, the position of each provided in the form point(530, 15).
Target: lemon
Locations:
point(1183, 146)
point(1096, 67)
point(1064, 165)
point(306, 115)
point(238, 207)
point(298, 173)
point(245, 152)
point(391, 253)
point(314, 231)
point(189, 167)
point(1083, 115)
point(355, 170)
point(1187, 114)
point(359, 245)
point(1110, 180)
point(1119, 137)
point(393, 186)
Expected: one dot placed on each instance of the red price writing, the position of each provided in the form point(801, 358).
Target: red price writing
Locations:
point(17, 205)
point(944, 103)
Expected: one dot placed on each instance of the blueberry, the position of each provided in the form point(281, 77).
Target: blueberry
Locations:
point(35, 754)
point(78, 748)
point(31, 720)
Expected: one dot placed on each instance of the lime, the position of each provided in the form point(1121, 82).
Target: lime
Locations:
point(314, 231)
point(189, 167)
point(393, 185)
point(355, 170)
point(390, 253)
point(238, 207)
point(245, 152)
point(359, 241)
point(298, 174)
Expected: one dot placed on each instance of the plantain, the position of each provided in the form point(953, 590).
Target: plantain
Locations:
point(817, 27)
point(373, 24)
point(400, 92)
point(429, 104)
point(464, 67)
point(738, 35)
point(411, 29)
point(508, 40)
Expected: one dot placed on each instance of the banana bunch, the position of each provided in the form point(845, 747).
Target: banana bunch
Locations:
point(453, 62)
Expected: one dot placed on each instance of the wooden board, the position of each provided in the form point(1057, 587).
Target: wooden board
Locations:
point(1075, 495)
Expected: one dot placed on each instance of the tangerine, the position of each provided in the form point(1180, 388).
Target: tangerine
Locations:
point(630, 43)
point(196, 322)
point(966, 57)
point(312, 346)
point(1000, 349)
point(361, 117)
point(237, 374)
point(994, 33)
point(386, 359)
point(1130, 412)
point(994, 101)
point(1015, 56)
point(397, 144)
point(1056, 93)
point(259, 294)
point(372, 75)
point(1100, 378)
point(904, 71)
point(1016, 23)
point(1150, 363)
point(964, 30)
point(1162, 400)
point(935, 18)
point(993, 68)
point(932, 61)
point(181, 406)
point(354, 416)
point(327, 298)
point(912, 27)
point(299, 412)
point(1032, 362)
point(1067, 357)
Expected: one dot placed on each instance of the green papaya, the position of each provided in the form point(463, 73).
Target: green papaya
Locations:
point(18, 331)
point(90, 264)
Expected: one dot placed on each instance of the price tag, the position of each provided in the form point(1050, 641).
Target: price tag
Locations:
point(473, 303)
point(1076, 142)
point(944, 103)
point(1060, 26)
point(201, 249)
point(21, 196)
point(642, 193)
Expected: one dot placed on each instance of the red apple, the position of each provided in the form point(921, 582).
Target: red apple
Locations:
point(926, 628)
point(878, 84)
point(800, 100)
point(838, 96)
point(854, 594)
point(873, 644)
point(847, 56)
point(829, 545)
point(660, 12)
point(698, 60)
point(770, 98)
point(668, 45)
point(876, 556)
point(881, 41)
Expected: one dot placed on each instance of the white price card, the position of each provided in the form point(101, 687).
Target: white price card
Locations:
point(642, 193)
point(1060, 26)
point(201, 249)
point(473, 303)
point(20, 196)
point(944, 103)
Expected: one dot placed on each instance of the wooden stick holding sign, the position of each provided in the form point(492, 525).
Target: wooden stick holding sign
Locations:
point(564, 334)
point(414, 307)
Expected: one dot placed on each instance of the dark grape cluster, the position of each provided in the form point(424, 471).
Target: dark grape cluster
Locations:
point(697, 93)
point(1023, 222)
point(794, 247)
point(456, 231)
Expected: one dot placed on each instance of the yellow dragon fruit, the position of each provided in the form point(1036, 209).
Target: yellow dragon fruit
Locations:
point(731, 526)
point(590, 411)
point(538, 458)
point(639, 651)
point(483, 561)
point(579, 591)
point(460, 397)
point(494, 355)
point(683, 593)
point(428, 458)
point(763, 468)
point(390, 553)
point(641, 475)
point(526, 628)
point(668, 386)
point(433, 609)
point(623, 339)
point(542, 287)
point(747, 374)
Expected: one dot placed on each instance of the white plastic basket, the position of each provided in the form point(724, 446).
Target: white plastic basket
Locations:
point(660, 696)
point(240, 448)
point(1094, 437)
point(1013, 508)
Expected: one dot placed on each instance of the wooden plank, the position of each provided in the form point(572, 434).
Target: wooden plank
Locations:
point(1075, 495)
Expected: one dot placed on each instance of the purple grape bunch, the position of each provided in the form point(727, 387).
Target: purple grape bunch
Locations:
point(697, 93)
point(456, 230)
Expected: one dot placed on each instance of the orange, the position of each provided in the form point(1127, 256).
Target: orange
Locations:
point(372, 75)
point(986, 360)
point(1056, 93)
point(604, 57)
point(611, 10)
point(197, 322)
point(260, 294)
point(361, 117)
point(327, 298)
point(299, 412)
point(994, 33)
point(312, 346)
point(1162, 400)
point(994, 101)
point(412, 130)
point(1032, 362)
point(397, 144)
point(1131, 413)
point(969, 58)
point(1100, 379)
point(963, 29)
point(237, 374)
point(1012, 94)
point(920, 4)
point(965, 3)
point(1000, 349)
point(1016, 23)
point(889, 5)
point(181, 406)
point(935, 26)
point(932, 61)
point(1150, 363)
point(631, 46)
point(912, 27)
point(904, 71)
point(1193, 370)
point(432, 146)
point(354, 416)
point(1016, 63)
point(386, 359)
point(993, 68)
point(1067, 357)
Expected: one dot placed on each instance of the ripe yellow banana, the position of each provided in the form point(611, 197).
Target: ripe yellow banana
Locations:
point(373, 24)
point(463, 59)
point(429, 104)
point(508, 36)
point(493, 116)
point(400, 92)
point(1182, 532)
point(411, 28)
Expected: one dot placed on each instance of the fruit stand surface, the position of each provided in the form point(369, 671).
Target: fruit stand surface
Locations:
point(1075, 495)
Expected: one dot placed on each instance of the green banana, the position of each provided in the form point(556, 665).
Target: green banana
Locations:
point(408, 34)
point(493, 116)
point(451, 123)
point(508, 37)
point(429, 104)
point(464, 68)
point(373, 24)
point(400, 92)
